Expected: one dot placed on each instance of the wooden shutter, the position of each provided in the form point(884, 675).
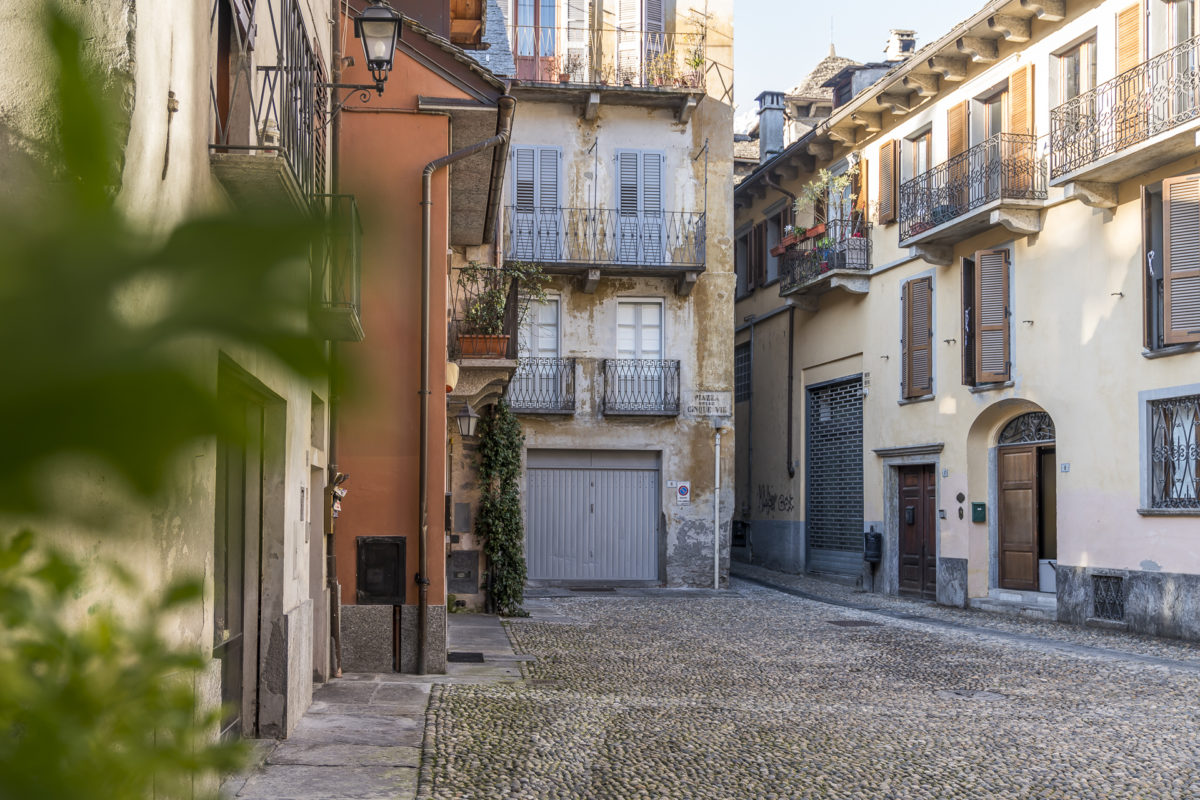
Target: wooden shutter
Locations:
point(861, 180)
point(628, 182)
point(956, 129)
point(968, 322)
point(752, 259)
point(1129, 38)
point(524, 178)
point(1181, 259)
point(918, 336)
point(1020, 101)
point(1149, 289)
point(887, 182)
point(654, 16)
point(547, 179)
point(991, 317)
point(652, 188)
point(760, 247)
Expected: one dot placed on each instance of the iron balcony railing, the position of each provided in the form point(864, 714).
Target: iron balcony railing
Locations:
point(1003, 167)
point(266, 93)
point(604, 236)
point(337, 270)
point(845, 244)
point(543, 385)
point(641, 386)
point(1153, 97)
point(576, 54)
point(486, 305)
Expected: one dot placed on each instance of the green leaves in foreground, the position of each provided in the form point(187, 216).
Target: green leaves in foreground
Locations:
point(101, 707)
point(499, 519)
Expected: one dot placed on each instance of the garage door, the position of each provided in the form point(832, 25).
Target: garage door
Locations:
point(592, 515)
point(834, 519)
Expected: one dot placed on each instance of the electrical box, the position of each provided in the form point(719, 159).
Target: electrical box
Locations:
point(978, 512)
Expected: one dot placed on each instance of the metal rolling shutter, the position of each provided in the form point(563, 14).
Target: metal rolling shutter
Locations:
point(834, 476)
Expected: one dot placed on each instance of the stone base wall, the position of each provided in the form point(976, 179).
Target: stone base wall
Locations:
point(775, 544)
point(435, 658)
point(1156, 603)
point(367, 639)
point(952, 582)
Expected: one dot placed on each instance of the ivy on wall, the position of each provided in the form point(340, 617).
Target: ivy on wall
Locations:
point(498, 522)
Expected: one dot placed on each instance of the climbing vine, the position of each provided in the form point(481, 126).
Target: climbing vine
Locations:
point(499, 519)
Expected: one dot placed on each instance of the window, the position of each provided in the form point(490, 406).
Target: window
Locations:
point(1076, 70)
point(888, 183)
point(1172, 246)
point(1175, 452)
point(756, 257)
point(640, 231)
point(916, 343)
point(920, 149)
point(742, 363)
point(536, 226)
point(640, 330)
point(774, 234)
point(986, 337)
point(538, 337)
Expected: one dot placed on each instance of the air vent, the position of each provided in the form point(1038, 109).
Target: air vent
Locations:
point(1108, 592)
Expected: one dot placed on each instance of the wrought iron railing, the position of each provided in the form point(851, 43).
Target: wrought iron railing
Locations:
point(604, 236)
point(1175, 452)
point(575, 54)
point(543, 385)
point(845, 244)
point(337, 268)
point(641, 386)
point(1004, 167)
point(486, 306)
point(1142, 102)
point(266, 94)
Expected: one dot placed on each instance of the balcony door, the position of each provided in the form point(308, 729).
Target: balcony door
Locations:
point(640, 39)
point(1173, 25)
point(539, 381)
point(640, 218)
point(994, 109)
point(536, 39)
point(640, 343)
point(536, 224)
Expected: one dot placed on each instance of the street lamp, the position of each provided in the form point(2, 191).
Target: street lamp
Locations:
point(467, 419)
point(379, 27)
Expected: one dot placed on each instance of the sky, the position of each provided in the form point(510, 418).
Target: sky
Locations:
point(777, 42)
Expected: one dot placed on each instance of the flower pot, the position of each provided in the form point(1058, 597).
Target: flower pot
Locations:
point(815, 230)
point(790, 239)
point(476, 345)
point(564, 77)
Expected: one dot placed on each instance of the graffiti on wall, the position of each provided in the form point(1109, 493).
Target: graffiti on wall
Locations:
point(770, 500)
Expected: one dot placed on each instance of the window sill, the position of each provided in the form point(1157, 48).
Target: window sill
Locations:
point(1169, 512)
point(925, 398)
point(1171, 350)
point(989, 387)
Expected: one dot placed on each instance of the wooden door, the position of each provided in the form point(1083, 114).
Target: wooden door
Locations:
point(536, 42)
point(918, 531)
point(1018, 518)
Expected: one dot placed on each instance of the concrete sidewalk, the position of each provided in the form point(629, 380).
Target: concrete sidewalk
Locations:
point(362, 737)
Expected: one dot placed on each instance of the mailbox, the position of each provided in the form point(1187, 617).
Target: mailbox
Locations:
point(872, 547)
point(978, 512)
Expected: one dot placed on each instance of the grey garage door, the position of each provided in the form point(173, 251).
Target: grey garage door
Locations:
point(834, 519)
point(592, 515)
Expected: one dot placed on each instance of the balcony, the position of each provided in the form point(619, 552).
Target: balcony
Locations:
point(594, 65)
point(337, 273)
point(1000, 181)
point(641, 387)
point(543, 386)
point(587, 241)
point(840, 257)
point(1141, 119)
point(268, 108)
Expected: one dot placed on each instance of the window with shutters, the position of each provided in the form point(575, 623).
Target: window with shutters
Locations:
point(536, 220)
point(1171, 237)
point(888, 181)
point(774, 234)
point(743, 363)
point(741, 263)
point(641, 218)
point(916, 342)
point(986, 318)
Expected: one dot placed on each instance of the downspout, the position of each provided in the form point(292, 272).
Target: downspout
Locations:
point(791, 467)
point(335, 135)
point(505, 106)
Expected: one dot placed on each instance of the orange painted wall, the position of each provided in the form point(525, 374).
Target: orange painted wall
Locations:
point(384, 148)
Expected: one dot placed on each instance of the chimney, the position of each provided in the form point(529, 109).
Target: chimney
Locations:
point(770, 125)
point(901, 44)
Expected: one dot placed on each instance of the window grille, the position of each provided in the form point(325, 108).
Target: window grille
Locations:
point(1036, 426)
point(1175, 452)
point(742, 359)
point(1108, 597)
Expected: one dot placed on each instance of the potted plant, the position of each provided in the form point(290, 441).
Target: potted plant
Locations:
point(695, 64)
point(572, 68)
point(817, 195)
point(483, 305)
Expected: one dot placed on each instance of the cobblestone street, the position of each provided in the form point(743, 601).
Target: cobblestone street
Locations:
point(758, 694)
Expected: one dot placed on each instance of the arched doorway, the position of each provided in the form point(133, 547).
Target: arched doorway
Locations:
point(1027, 530)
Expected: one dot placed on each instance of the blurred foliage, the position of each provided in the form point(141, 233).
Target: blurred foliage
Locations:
point(98, 314)
point(99, 709)
point(498, 521)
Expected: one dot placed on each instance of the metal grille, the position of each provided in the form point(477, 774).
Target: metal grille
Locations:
point(641, 386)
point(1036, 426)
point(1175, 452)
point(545, 385)
point(1151, 98)
point(834, 519)
point(845, 244)
point(337, 271)
point(1005, 166)
point(1108, 597)
point(571, 54)
point(604, 236)
point(742, 361)
point(274, 109)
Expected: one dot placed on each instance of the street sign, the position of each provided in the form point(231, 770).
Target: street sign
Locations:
point(683, 493)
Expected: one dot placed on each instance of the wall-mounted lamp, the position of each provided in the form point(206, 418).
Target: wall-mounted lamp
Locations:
point(467, 420)
point(379, 27)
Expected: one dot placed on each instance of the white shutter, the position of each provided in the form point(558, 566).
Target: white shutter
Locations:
point(628, 182)
point(524, 185)
point(654, 16)
point(579, 23)
point(547, 179)
point(652, 207)
point(629, 39)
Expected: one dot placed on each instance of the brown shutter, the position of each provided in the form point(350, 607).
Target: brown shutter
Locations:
point(968, 321)
point(1181, 259)
point(1129, 38)
point(918, 333)
point(991, 316)
point(1149, 290)
point(1020, 101)
point(956, 129)
point(752, 259)
point(861, 179)
point(887, 182)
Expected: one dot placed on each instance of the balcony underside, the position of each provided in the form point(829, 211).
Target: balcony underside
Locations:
point(482, 380)
point(1022, 217)
point(256, 180)
point(1138, 159)
point(590, 273)
point(854, 281)
point(683, 100)
point(338, 324)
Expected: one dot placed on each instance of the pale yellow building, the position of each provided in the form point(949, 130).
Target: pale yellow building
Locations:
point(988, 355)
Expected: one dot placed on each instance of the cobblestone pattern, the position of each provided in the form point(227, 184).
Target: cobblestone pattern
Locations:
point(757, 695)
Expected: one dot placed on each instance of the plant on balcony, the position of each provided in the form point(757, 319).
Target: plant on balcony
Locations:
point(572, 68)
point(498, 522)
point(484, 292)
point(695, 64)
point(819, 194)
point(660, 69)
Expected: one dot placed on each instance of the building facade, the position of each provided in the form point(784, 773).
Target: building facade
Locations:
point(982, 345)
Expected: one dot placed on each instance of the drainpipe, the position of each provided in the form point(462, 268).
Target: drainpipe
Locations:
point(505, 106)
point(717, 505)
point(335, 135)
point(791, 467)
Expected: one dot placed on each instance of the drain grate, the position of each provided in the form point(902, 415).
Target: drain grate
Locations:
point(594, 589)
point(970, 694)
point(465, 658)
point(853, 623)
